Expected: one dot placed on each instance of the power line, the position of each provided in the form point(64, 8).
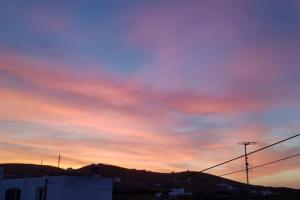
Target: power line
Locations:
point(268, 146)
point(190, 174)
point(264, 164)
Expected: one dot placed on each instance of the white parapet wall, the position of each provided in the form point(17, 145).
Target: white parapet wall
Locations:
point(58, 188)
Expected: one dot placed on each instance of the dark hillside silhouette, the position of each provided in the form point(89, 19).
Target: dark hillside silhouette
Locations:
point(141, 184)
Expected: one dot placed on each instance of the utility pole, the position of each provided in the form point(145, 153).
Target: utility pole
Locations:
point(247, 164)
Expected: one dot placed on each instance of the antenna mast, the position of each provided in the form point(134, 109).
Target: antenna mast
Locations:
point(58, 162)
point(246, 157)
point(246, 162)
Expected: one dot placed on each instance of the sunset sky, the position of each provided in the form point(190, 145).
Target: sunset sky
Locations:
point(149, 84)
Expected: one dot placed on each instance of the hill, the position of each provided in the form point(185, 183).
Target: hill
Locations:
point(141, 184)
point(16, 170)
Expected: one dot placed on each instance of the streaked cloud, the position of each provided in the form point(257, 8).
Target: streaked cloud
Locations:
point(162, 86)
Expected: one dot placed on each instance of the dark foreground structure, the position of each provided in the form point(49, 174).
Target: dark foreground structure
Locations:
point(132, 184)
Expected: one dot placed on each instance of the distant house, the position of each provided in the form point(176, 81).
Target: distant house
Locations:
point(266, 192)
point(56, 188)
point(179, 192)
point(227, 186)
point(117, 180)
point(176, 192)
point(158, 195)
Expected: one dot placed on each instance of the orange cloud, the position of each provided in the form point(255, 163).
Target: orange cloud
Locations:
point(100, 119)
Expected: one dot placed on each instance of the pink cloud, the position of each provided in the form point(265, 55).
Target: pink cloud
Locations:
point(174, 33)
point(178, 33)
point(103, 117)
point(108, 111)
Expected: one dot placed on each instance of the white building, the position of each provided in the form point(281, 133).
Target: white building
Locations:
point(158, 195)
point(266, 193)
point(226, 186)
point(56, 188)
point(176, 192)
point(179, 192)
point(117, 180)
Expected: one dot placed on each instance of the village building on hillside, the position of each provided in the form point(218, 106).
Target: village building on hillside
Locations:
point(56, 188)
point(175, 192)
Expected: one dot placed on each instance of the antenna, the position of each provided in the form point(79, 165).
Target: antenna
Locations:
point(246, 162)
point(42, 162)
point(246, 157)
point(58, 162)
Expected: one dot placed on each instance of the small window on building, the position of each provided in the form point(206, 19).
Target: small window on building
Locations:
point(40, 192)
point(13, 194)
